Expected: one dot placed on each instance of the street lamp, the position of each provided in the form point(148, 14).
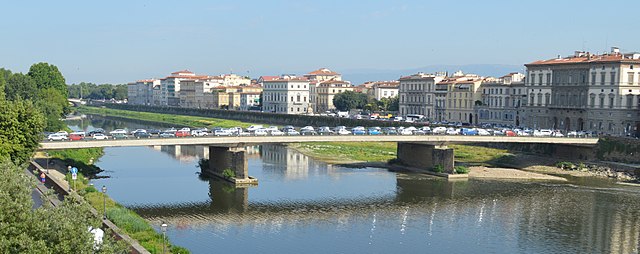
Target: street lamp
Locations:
point(104, 202)
point(47, 154)
point(164, 232)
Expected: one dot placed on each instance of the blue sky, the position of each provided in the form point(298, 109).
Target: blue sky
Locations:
point(121, 41)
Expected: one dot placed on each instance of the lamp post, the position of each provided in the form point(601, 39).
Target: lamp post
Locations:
point(47, 154)
point(69, 171)
point(104, 202)
point(164, 232)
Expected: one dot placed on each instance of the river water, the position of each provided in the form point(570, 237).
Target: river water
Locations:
point(306, 206)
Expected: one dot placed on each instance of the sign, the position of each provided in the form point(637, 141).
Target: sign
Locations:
point(74, 170)
point(74, 176)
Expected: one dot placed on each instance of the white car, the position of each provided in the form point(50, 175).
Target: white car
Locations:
point(118, 131)
point(557, 134)
point(63, 133)
point(187, 129)
point(260, 132)
point(542, 133)
point(100, 136)
point(343, 132)
point(222, 132)
point(138, 130)
point(56, 137)
point(405, 131)
point(198, 133)
point(254, 127)
point(483, 132)
point(276, 132)
point(307, 128)
point(272, 128)
point(292, 132)
point(452, 131)
point(439, 130)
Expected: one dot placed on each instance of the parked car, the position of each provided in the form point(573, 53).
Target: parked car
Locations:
point(141, 134)
point(96, 131)
point(307, 132)
point(374, 131)
point(439, 130)
point(167, 135)
point(292, 132)
point(100, 136)
point(287, 127)
point(138, 130)
point(187, 129)
point(405, 131)
point(343, 132)
point(276, 132)
point(199, 133)
point(483, 132)
point(118, 131)
point(272, 128)
point(260, 132)
point(469, 132)
point(153, 131)
point(221, 132)
point(74, 136)
point(542, 133)
point(170, 130)
point(252, 128)
point(56, 137)
point(510, 133)
point(390, 131)
point(119, 135)
point(358, 130)
point(183, 133)
point(325, 131)
point(452, 131)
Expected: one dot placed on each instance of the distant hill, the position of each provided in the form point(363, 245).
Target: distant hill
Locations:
point(359, 76)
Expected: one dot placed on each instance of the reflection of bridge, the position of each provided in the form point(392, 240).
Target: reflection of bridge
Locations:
point(416, 151)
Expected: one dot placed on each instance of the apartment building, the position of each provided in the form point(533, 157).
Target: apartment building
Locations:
point(323, 74)
point(325, 91)
point(141, 91)
point(597, 92)
point(417, 94)
point(383, 89)
point(501, 100)
point(459, 94)
point(287, 94)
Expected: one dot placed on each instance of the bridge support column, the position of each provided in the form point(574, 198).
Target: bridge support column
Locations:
point(221, 158)
point(425, 156)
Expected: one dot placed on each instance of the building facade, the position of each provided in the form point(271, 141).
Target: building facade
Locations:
point(383, 89)
point(461, 93)
point(585, 92)
point(501, 100)
point(286, 95)
point(417, 94)
point(326, 91)
point(141, 91)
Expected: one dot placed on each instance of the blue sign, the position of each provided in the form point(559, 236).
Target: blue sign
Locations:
point(74, 170)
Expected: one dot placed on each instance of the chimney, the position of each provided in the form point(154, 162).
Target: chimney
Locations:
point(615, 50)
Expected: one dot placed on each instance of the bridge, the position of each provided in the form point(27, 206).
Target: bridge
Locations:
point(424, 152)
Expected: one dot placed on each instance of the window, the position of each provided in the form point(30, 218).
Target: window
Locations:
point(533, 79)
point(630, 78)
point(540, 78)
point(630, 101)
point(548, 78)
point(611, 99)
point(613, 78)
point(547, 97)
point(602, 77)
point(592, 100)
point(539, 99)
point(601, 101)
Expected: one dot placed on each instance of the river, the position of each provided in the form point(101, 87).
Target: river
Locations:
point(306, 206)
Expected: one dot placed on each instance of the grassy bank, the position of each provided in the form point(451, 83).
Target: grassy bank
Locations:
point(384, 151)
point(82, 159)
point(178, 120)
point(128, 221)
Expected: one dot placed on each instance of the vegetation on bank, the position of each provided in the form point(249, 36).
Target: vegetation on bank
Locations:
point(128, 221)
point(83, 159)
point(179, 120)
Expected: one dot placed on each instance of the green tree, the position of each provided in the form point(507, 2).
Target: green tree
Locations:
point(20, 86)
point(2, 86)
point(120, 92)
point(348, 100)
point(394, 104)
point(21, 125)
point(48, 76)
point(52, 104)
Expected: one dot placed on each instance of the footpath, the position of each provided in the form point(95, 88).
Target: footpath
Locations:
point(55, 179)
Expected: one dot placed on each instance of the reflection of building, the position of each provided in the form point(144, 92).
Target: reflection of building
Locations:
point(296, 164)
point(185, 153)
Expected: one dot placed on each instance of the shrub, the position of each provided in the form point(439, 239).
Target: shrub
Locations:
point(438, 168)
point(461, 170)
point(565, 165)
point(228, 173)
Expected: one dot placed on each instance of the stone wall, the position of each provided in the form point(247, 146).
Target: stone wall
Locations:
point(259, 117)
point(618, 149)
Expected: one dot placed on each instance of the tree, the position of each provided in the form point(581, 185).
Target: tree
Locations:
point(2, 86)
point(348, 100)
point(52, 104)
point(21, 125)
point(20, 86)
point(48, 76)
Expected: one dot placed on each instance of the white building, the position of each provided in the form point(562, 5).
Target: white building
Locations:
point(249, 100)
point(384, 89)
point(501, 100)
point(417, 94)
point(326, 91)
point(287, 95)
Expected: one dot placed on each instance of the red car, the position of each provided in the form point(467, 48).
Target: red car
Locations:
point(183, 134)
point(75, 137)
point(510, 133)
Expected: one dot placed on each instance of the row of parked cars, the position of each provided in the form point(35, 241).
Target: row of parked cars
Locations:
point(259, 130)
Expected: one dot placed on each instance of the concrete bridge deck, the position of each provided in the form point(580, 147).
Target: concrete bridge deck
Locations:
point(433, 139)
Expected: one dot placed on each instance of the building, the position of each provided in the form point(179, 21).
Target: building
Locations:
point(249, 100)
point(457, 96)
point(585, 92)
point(501, 100)
point(141, 91)
point(326, 91)
point(287, 94)
point(383, 89)
point(323, 74)
point(170, 87)
point(234, 80)
point(416, 94)
point(196, 93)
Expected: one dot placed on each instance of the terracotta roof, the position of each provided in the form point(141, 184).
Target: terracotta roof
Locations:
point(279, 79)
point(182, 71)
point(333, 82)
point(269, 78)
point(587, 58)
point(323, 71)
point(146, 80)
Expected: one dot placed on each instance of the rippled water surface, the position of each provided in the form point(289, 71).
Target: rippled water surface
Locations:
point(306, 206)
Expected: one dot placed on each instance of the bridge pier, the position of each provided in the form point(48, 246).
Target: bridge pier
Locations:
point(221, 158)
point(425, 156)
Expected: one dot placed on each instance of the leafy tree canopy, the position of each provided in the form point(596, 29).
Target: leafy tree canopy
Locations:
point(47, 76)
point(21, 125)
point(350, 100)
point(21, 86)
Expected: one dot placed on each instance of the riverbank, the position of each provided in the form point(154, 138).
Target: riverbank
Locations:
point(126, 220)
